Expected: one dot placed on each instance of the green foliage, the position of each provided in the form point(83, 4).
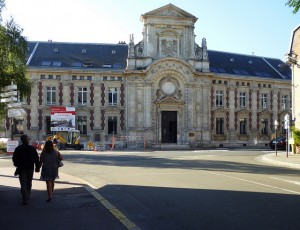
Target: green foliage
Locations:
point(296, 135)
point(13, 48)
point(294, 4)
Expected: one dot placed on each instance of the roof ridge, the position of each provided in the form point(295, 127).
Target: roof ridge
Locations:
point(247, 55)
point(75, 43)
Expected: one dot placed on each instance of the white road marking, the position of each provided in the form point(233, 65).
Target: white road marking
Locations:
point(288, 181)
point(256, 183)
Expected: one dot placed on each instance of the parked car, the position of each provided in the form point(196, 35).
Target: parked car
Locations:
point(39, 145)
point(281, 143)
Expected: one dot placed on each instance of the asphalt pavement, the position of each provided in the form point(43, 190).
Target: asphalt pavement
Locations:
point(76, 205)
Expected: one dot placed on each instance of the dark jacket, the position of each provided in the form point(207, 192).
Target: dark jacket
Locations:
point(25, 157)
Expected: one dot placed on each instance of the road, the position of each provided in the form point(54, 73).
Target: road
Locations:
point(193, 189)
point(205, 189)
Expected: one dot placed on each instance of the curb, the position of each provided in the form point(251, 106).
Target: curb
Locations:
point(267, 159)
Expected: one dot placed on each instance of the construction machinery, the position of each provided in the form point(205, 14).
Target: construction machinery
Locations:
point(67, 140)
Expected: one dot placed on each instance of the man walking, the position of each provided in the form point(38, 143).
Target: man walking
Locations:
point(24, 158)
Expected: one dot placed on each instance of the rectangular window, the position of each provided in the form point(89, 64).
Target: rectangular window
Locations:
point(89, 78)
point(243, 126)
point(242, 100)
point(112, 125)
point(74, 77)
point(264, 123)
point(82, 125)
point(51, 95)
point(284, 102)
point(112, 96)
point(220, 125)
point(82, 95)
point(264, 99)
point(219, 98)
point(81, 77)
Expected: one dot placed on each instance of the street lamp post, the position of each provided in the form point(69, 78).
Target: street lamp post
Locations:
point(276, 126)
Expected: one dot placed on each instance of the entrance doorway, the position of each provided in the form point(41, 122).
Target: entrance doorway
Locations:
point(169, 126)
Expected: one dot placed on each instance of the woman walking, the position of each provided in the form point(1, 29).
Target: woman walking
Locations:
point(49, 161)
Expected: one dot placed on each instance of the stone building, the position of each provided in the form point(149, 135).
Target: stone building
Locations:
point(167, 88)
point(293, 59)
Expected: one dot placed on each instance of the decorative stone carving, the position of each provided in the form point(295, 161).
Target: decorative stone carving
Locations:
point(170, 13)
point(169, 48)
point(168, 88)
point(139, 49)
point(198, 52)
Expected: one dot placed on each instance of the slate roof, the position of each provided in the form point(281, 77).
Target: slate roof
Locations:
point(248, 65)
point(77, 55)
point(113, 57)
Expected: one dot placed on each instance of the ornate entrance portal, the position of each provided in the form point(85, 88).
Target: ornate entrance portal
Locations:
point(169, 126)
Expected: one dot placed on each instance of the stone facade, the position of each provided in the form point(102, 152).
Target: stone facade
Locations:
point(172, 91)
point(294, 59)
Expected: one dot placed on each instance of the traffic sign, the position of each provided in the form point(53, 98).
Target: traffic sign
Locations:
point(9, 99)
point(14, 105)
point(10, 87)
point(16, 112)
point(9, 93)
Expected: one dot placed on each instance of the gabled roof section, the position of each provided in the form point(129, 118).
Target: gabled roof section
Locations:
point(77, 55)
point(169, 10)
point(248, 65)
point(295, 43)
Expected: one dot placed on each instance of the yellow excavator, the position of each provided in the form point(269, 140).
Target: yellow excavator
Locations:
point(67, 140)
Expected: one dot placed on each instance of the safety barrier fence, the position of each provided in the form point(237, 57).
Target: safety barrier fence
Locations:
point(123, 143)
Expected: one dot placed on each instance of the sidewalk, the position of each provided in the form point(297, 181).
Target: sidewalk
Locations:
point(282, 159)
point(74, 205)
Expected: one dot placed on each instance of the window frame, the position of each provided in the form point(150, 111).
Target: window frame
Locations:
point(264, 100)
point(243, 98)
point(112, 125)
point(82, 95)
point(284, 101)
point(219, 98)
point(112, 96)
point(82, 124)
point(50, 95)
point(220, 125)
point(243, 126)
point(264, 129)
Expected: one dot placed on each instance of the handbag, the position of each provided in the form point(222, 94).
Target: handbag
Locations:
point(60, 163)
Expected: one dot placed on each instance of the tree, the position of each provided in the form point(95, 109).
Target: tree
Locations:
point(13, 48)
point(294, 4)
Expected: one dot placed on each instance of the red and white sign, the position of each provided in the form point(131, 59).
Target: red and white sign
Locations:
point(11, 145)
point(62, 118)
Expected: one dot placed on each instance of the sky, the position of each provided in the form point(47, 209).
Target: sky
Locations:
point(259, 27)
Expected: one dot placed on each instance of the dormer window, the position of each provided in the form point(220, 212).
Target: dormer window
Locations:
point(87, 64)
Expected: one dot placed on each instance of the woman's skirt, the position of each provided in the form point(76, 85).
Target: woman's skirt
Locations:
point(49, 174)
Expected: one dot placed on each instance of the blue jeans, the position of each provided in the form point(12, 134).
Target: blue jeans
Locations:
point(25, 178)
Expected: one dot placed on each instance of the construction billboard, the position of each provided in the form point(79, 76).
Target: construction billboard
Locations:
point(62, 118)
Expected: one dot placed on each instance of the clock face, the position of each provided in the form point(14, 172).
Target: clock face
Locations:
point(168, 88)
